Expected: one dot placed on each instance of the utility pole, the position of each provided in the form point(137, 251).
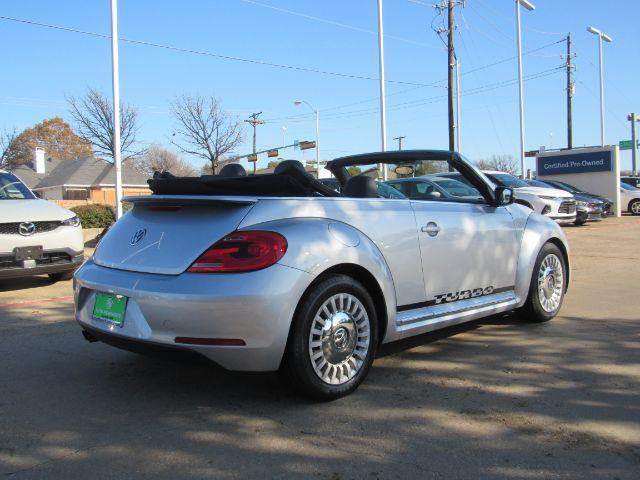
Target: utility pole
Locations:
point(449, 6)
point(450, 79)
point(633, 118)
point(457, 105)
point(400, 138)
point(254, 122)
point(569, 95)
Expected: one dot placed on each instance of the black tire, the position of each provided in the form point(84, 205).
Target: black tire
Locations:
point(533, 310)
point(297, 368)
point(61, 276)
point(634, 204)
point(579, 223)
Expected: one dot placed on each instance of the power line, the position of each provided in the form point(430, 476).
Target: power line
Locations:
point(334, 23)
point(210, 54)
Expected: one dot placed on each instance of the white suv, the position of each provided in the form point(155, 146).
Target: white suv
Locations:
point(553, 203)
point(36, 236)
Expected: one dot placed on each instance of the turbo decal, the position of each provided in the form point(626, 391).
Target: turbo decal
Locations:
point(463, 295)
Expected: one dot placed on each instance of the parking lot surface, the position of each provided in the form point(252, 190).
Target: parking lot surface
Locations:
point(497, 398)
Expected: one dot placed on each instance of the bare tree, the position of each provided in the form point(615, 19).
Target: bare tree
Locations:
point(204, 130)
point(6, 143)
point(93, 115)
point(501, 163)
point(159, 159)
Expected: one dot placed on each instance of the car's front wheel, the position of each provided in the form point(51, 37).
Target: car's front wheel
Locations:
point(548, 285)
point(634, 207)
point(333, 339)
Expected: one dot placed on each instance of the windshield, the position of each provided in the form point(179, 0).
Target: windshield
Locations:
point(626, 186)
point(11, 188)
point(506, 180)
point(386, 191)
point(455, 188)
point(538, 183)
point(568, 187)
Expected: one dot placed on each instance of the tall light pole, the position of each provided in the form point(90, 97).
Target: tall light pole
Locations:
point(383, 105)
point(116, 106)
point(298, 103)
point(284, 131)
point(529, 6)
point(607, 38)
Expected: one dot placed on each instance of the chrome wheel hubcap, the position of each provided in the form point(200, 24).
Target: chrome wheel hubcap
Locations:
point(550, 283)
point(635, 207)
point(339, 339)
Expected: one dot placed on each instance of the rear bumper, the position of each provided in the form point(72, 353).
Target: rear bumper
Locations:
point(62, 267)
point(256, 307)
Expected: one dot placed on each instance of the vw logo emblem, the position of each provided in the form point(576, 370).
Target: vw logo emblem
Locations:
point(26, 228)
point(137, 237)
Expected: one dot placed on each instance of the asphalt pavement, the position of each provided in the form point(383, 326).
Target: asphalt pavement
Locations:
point(495, 399)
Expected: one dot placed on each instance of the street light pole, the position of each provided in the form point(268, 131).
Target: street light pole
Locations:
point(298, 103)
point(529, 6)
point(607, 38)
point(115, 147)
point(383, 107)
point(633, 118)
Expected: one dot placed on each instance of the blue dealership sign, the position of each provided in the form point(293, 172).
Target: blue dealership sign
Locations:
point(575, 163)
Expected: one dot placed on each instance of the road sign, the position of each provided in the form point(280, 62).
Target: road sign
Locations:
point(627, 144)
point(307, 145)
point(531, 153)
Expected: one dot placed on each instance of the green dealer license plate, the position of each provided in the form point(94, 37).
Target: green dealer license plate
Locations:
point(110, 308)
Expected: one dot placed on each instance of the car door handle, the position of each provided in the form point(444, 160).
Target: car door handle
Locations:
point(432, 229)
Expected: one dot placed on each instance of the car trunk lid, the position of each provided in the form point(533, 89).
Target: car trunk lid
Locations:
point(166, 234)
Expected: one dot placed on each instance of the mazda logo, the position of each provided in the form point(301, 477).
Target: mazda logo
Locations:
point(137, 237)
point(26, 228)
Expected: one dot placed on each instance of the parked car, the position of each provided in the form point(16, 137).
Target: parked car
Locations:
point(555, 204)
point(36, 236)
point(384, 191)
point(433, 188)
point(281, 272)
point(607, 204)
point(629, 180)
point(630, 198)
point(589, 208)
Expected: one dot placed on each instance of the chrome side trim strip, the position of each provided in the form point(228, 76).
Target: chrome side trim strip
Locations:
point(454, 312)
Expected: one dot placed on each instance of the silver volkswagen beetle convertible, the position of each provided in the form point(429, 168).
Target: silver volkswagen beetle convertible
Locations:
point(281, 272)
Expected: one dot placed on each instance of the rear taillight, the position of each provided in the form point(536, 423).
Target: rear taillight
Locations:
point(242, 252)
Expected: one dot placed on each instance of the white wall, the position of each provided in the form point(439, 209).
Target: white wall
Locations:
point(606, 184)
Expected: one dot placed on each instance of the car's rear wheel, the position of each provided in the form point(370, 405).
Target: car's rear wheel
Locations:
point(634, 207)
point(61, 276)
point(333, 339)
point(548, 285)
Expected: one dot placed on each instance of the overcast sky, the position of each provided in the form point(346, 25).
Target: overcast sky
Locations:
point(41, 65)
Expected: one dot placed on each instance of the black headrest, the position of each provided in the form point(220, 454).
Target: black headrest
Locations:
point(361, 186)
point(287, 164)
point(233, 170)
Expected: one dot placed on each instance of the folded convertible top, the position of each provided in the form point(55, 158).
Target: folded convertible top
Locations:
point(289, 183)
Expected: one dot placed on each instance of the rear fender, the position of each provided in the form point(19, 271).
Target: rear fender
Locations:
point(538, 231)
point(316, 245)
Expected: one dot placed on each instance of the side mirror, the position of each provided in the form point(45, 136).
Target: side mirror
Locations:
point(435, 194)
point(504, 196)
